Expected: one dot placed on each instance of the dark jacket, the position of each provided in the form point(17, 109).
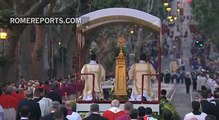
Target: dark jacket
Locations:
point(48, 117)
point(187, 81)
point(207, 107)
point(54, 96)
point(95, 117)
point(35, 112)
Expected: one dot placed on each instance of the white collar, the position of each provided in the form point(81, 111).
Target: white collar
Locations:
point(24, 117)
point(142, 61)
point(93, 62)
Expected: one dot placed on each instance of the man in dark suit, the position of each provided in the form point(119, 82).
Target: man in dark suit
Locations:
point(53, 95)
point(207, 107)
point(35, 112)
point(55, 106)
point(94, 109)
point(25, 112)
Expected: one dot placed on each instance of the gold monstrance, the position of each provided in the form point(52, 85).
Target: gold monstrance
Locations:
point(120, 75)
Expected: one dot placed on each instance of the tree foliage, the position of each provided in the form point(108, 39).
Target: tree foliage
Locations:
point(206, 14)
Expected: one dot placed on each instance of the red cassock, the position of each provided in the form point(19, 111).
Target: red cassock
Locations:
point(8, 101)
point(19, 97)
point(113, 113)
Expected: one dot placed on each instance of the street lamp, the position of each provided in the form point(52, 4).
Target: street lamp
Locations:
point(166, 4)
point(3, 36)
point(168, 9)
point(175, 18)
point(169, 17)
point(62, 54)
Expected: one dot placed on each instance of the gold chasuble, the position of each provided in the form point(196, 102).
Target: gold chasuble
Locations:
point(120, 75)
point(135, 73)
point(99, 72)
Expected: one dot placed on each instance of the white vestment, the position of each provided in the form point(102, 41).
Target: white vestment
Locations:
point(45, 106)
point(99, 72)
point(135, 73)
point(201, 81)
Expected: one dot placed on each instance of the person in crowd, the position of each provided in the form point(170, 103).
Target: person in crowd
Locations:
point(163, 93)
point(167, 76)
point(46, 86)
point(36, 95)
point(55, 107)
point(210, 117)
point(141, 112)
point(207, 107)
point(64, 111)
point(72, 114)
point(195, 113)
point(149, 114)
point(9, 107)
point(187, 82)
point(194, 81)
point(1, 112)
point(201, 81)
point(53, 95)
point(68, 106)
point(45, 103)
point(210, 95)
point(216, 101)
point(133, 114)
point(167, 115)
point(25, 113)
point(127, 107)
point(99, 72)
point(135, 74)
point(35, 112)
point(94, 110)
point(58, 115)
point(114, 111)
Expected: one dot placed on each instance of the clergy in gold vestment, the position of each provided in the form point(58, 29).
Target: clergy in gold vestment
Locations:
point(99, 72)
point(135, 73)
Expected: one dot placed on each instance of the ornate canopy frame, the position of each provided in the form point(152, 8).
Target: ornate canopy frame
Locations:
point(117, 15)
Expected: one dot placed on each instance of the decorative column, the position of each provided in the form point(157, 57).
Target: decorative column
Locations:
point(120, 74)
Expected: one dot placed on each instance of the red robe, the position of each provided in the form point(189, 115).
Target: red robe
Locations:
point(113, 113)
point(8, 101)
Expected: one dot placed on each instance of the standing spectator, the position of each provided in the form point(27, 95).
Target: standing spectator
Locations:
point(201, 82)
point(133, 114)
point(1, 113)
point(195, 113)
point(55, 107)
point(210, 117)
point(9, 107)
point(216, 100)
point(167, 115)
point(167, 76)
point(25, 112)
point(114, 111)
point(94, 109)
point(207, 107)
point(53, 95)
point(187, 82)
point(149, 114)
point(45, 103)
point(58, 115)
point(68, 106)
point(72, 114)
point(141, 112)
point(194, 82)
point(64, 111)
point(127, 107)
point(35, 112)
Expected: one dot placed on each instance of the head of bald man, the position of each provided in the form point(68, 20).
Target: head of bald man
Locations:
point(68, 104)
point(115, 103)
